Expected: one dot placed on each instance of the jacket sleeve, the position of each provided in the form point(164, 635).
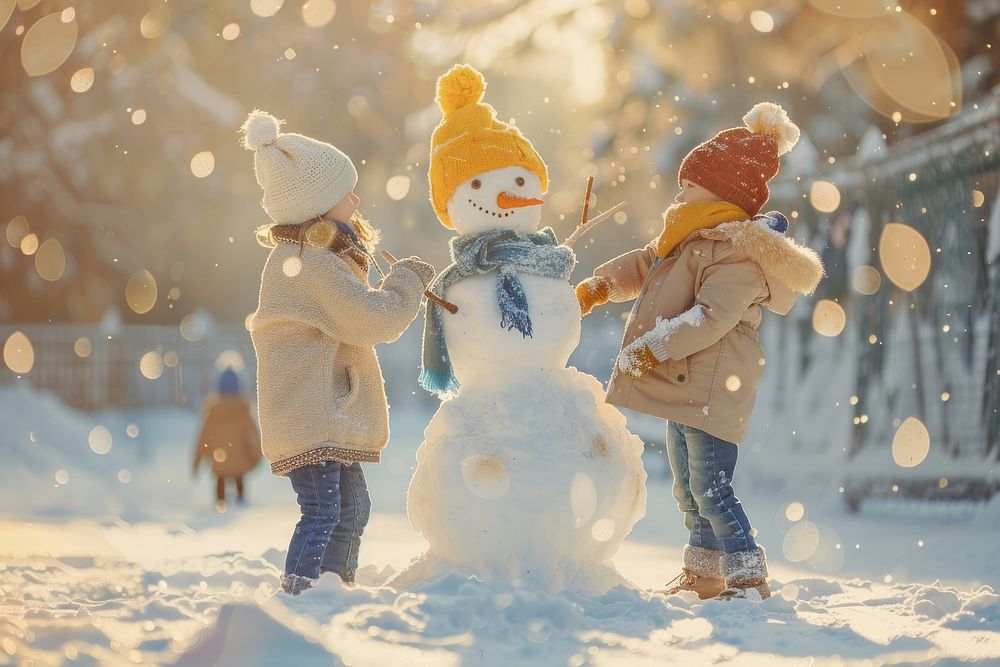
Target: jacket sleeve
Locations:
point(627, 272)
point(729, 286)
point(360, 314)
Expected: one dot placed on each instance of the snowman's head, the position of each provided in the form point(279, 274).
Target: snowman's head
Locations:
point(508, 197)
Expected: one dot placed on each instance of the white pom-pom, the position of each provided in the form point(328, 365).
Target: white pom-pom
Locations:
point(259, 129)
point(769, 118)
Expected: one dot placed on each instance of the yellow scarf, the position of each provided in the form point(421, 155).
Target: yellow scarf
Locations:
point(682, 220)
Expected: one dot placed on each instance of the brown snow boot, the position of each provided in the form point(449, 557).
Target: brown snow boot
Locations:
point(702, 573)
point(745, 570)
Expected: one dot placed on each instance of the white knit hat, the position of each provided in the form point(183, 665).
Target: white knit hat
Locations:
point(301, 177)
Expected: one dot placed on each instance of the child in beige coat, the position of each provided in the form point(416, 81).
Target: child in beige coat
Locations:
point(321, 397)
point(690, 353)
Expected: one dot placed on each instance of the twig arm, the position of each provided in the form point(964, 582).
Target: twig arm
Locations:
point(593, 222)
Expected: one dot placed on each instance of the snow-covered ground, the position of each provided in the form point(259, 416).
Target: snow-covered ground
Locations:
point(120, 558)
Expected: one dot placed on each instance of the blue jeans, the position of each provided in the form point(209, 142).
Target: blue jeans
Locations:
point(703, 467)
point(335, 507)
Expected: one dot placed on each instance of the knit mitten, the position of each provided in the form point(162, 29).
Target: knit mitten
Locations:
point(637, 359)
point(423, 270)
point(593, 291)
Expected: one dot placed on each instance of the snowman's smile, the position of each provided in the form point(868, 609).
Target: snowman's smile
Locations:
point(507, 202)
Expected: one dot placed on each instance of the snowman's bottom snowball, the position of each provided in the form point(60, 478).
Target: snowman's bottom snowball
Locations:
point(533, 478)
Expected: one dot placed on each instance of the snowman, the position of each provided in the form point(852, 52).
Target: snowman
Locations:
point(525, 473)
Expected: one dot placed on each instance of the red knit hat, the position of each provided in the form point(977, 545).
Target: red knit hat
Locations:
point(737, 163)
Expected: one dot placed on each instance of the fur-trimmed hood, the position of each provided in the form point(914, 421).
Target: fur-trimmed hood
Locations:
point(789, 268)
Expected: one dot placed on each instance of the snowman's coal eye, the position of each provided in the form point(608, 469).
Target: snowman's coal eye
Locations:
point(476, 184)
point(519, 180)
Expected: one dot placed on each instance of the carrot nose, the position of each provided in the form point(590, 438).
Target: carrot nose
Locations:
point(507, 200)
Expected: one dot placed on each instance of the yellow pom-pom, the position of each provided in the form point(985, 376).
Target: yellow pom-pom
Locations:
point(459, 86)
point(769, 118)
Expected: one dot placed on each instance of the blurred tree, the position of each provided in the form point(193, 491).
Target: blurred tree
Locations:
point(108, 171)
point(620, 90)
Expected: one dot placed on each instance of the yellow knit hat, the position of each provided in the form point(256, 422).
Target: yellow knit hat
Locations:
point(470, 140)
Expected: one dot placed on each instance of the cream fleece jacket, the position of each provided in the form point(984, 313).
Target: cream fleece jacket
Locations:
point(321, 395)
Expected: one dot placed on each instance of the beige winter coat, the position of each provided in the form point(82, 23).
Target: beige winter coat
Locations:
point(712, 287)
point(228, 437)
point(320, 393)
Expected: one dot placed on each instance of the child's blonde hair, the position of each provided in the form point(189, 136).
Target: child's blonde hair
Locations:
point(369, 236)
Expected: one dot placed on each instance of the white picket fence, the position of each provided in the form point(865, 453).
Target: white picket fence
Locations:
point(110, 377)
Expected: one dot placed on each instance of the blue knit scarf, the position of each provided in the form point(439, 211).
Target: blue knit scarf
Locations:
point(508, 253)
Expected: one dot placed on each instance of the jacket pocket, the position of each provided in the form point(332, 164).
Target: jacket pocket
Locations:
point(353, 385)
point(678, 371)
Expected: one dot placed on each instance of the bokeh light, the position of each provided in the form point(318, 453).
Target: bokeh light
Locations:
point(905, 256)
point(203, 164)
point(789, 592)
point(978, 198)
point(231, 31)
point(824, 196)
point(62, 476)
point(124, 476)
point(485, 476)
point(266, 8)
point(194, 327)
point(18, 353)
point(155, 23)
point(48, 44)
point(82, 80)
point(866, 280)
point(291, 267)
point(50, 260)
point(397, 187)
point(829, 318)
point(132, 430)
point(83, 347)
point(761, 21)
point(151, 365)
point(17, 229)
point(29, 244)
point(6, 9)
point(800, 542)
point(911, 444)
point(290, 53)
point(317, 13)
point(100, 439)
point(914, 71)
point(171, 359)
point(140, 291)
point(603, 530)
point(733, 383)
point(138, 116)
point(795, 511)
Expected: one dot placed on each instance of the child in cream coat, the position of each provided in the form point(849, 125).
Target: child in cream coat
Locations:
point(321, 397)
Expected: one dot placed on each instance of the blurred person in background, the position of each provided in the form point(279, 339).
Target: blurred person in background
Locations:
point(228, 438)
